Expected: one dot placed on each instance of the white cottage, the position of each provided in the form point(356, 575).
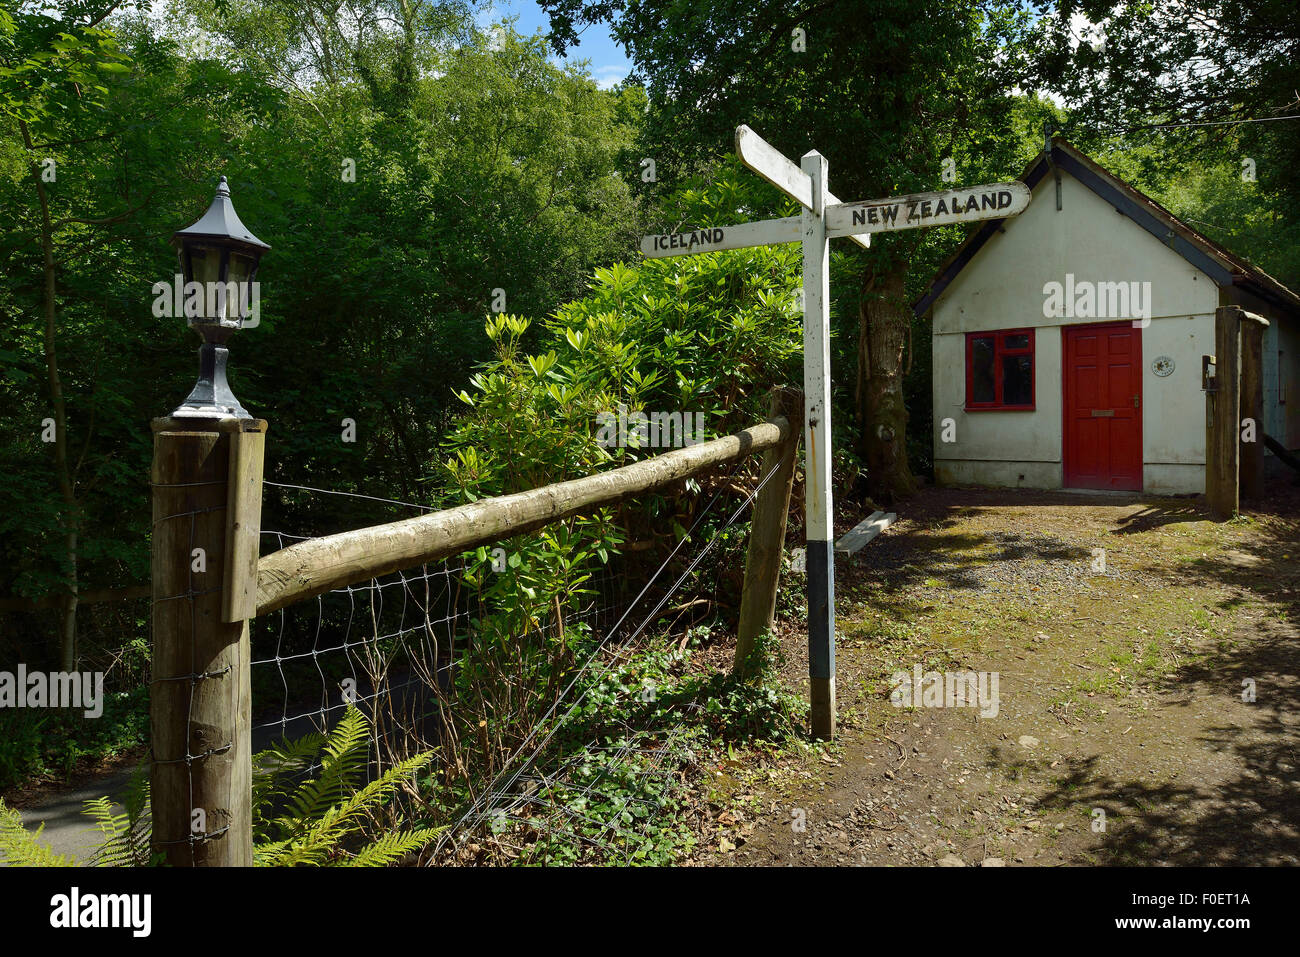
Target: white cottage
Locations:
point(1067, 341)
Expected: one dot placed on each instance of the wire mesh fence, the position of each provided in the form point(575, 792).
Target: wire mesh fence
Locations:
point(522, 771)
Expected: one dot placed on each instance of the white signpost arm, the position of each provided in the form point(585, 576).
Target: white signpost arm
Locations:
point(961, 204)
point(770, 164)
point(769, 232)
point(820, 554)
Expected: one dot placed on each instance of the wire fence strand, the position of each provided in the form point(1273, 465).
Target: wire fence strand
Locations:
point(395, 648)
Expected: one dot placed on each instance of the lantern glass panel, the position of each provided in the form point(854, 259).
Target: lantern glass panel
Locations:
point(240, 274)
point(205, 263)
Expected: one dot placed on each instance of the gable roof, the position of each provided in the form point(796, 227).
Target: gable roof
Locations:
point(1200, 251)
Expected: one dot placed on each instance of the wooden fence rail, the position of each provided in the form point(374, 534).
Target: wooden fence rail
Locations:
point(318, 565)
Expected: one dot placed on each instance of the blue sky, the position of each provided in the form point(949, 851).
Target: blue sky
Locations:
point(608, 62)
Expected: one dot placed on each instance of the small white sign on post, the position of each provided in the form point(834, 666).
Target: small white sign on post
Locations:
point(824, 217)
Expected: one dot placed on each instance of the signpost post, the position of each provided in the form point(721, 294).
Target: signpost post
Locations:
point(819, 519)
point(825, 217)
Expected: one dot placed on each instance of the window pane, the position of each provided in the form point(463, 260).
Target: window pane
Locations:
point(1018, 341)
point(981, 370)
point(1017, 380)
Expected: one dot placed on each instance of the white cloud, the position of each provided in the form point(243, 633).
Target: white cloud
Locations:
point(607, 76)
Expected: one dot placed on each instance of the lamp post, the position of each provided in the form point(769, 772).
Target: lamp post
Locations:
point(218, 259)
point(207, 500)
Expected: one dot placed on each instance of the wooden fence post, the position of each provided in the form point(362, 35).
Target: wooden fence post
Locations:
point(1223, 441)
point(207, 481)
point(1252, 406)
point(767, 533)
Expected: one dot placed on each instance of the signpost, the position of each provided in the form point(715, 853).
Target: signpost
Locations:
point(825, 217)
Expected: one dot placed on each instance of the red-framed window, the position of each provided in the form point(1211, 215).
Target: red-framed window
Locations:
point(1000, 369)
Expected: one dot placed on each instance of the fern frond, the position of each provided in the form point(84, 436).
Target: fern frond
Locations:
point(100, 810)
point(386, 784)
point(393, 847)
point(126, 836)
point(295, 853)
point(269, 854)
point(342, 763)
point(274, 768)
point(288, 755)
point(324, 813)
point(20, 847)
point(111, 827)
point(345, 741)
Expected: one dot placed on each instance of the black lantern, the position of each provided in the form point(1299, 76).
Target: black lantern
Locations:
point(218, 257)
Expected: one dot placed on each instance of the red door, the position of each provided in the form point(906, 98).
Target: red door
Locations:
point(1103, 406)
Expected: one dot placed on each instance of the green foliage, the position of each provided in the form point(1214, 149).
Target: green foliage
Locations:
point(1197, 66)
point(708, 333)
point(486, 167)
point(1245, 216)
point(628, 751)
point(324, 818)
point(51, 64)
point(124, 837)
point(21, 746)
point(759, 708)
point(730, 709)
point(614, 797)
point(883, 97)
point(887, 98)
point(43, 742)
point(20, 847)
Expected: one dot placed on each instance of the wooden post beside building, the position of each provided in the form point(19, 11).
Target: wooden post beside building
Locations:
point(1222, 441)
point(1252, 405)
point(1234, 452)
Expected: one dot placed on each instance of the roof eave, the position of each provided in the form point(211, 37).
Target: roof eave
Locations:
point(1222, 266)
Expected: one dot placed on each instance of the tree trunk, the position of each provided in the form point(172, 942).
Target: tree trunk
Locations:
point(884, 321)
point(68, 629)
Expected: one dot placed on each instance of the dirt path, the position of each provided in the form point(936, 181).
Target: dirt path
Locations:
point(1120, 693)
